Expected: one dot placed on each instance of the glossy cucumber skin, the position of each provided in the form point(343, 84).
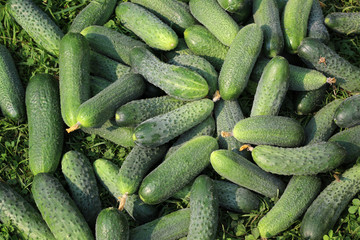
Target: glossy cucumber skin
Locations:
point(307, 160)
point(240, 61)
point(97, 84)
point(308, 101)
point(316, 25)
point(112, 224)
point(344, 23)
point(348, 113)
point(229, 165)
point(272, 88)
point(297, 197)
point(46, 129)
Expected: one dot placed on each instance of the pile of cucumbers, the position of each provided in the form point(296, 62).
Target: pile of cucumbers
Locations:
point(170, 90)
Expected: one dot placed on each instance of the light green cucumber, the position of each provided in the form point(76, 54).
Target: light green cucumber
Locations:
point(309, 101)
point(112, 224)
point(97, 84)
point(348, 112)
point(343, 22)
point(316, 25)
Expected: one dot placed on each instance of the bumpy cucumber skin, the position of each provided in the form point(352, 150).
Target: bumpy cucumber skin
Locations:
point(348, 113)
point(112, 224)
point(297, 197)
point(204, 207)
point(176, 81)
point(147, 26)
point(272, 88)
point(316, 26)
point(307, 160)
point(177, 170)
point(229, 165)
point(162, 128)
point(327, 207)
point(46, 132)
point(17, 211)
point(295, 22)
point(321, 126)
point(58, 209)
point(307, 102)
point(97, 84)
point(240, 61)
point(36, 23)
point(270, 130)
point(266, 15)
point(81, 180)
point(12, 102)
point(345, 23)
point(346, 74)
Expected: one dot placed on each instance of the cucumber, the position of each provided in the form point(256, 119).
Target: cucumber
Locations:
point(46, 133)
point(239, 62)
point(270, 130)
point(97, 84)
point(272, 88)
point(111, 43)
point(17, 211)
point(240, 10)
point(58, 209)
point(112, 224)
point(319, 56)
point(266, 15)
point(81, 180)
point(176, 81)
point(162, 128)
point(327, 207)
point(36, 23)
point(307, 160)
point(204, 207)
point(137, 111)
point(321, 126)
point(316, 26)
point(307, 102)
point(177, 170)
point(344, 23)
point(241, 171)
point(181, 48)
point(295, 21)
point(97, 12)
point(146, 26)
point(74, 75)
point(12, 102)
point(348, 112)
point(203, 43)
point(297, 197)
point(213, 17)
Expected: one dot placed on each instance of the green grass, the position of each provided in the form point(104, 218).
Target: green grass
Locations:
point(31, 59)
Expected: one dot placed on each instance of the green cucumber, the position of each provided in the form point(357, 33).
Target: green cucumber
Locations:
point(297, 197)
point(204, 207)
point(239, 62)
point(58, 209)
point(241, 171)
point(80, 177)
point(146, 26)
point(17, 211)
point(348, 113)
point(162, 128)
point(272, 88)
point(344, 23)
point(36, 23)
point(240, 10)
point(307, 102)
point(316, 26)
point(46, 131)
point(97, 84)
point(12, 102)
point(308, 160)
point(181, 48)
point(112, 224)
point(177, 170)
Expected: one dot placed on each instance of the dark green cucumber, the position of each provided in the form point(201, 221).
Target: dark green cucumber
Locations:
point(308, 160)
point(307, 102)
point(17, 211)
point(46, 132)
point(316, 26)
point(58, 209)
point(241, 171)
point(297, 197)
point(162, 128)
point(36, 23)
point(177, 170)
point(327, 207)
point(204, 207)
point(97, 84)
point(272, 88)
point(319, 56)
point(80, 177)
point(74, 75)
point(176, 81)
point(240, 61)
point(266, 15)
point(345, 23)
point(112, 224)
point(321, 126)
point(240, 10)
point(348, 113)
point(12, 101)
point(270, 130)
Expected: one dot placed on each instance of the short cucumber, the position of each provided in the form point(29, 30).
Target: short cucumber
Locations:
point(112, 224)
point(97, 84)
point(239, 10)
point(345, 23)
point(307, 102)
point(316, 26)
point(348, 112)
